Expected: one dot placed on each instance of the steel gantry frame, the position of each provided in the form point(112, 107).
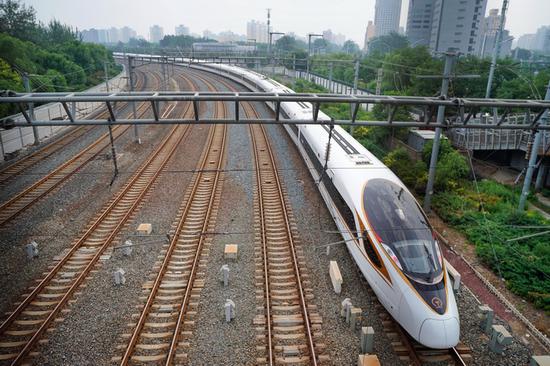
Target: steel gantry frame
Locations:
point(460, 110)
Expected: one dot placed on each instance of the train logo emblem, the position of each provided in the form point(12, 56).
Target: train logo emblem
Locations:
point(436, 302)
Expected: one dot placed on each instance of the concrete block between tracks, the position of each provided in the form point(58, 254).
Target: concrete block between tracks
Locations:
point(540, 361)
point(231, 251)
point(145, 228)
point(367, 339)
point(229, 309)
point(368, 360)
point(120, 279)
point(335, 276)
point(455, 276)
point(500, 338)
point(224, 271)
point(32, 250)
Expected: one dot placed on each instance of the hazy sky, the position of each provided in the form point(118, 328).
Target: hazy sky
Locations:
point(300, 16)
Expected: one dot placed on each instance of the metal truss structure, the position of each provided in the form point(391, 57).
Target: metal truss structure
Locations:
point(459, 111)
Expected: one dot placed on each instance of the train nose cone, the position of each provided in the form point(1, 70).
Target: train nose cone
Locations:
point(440, 334)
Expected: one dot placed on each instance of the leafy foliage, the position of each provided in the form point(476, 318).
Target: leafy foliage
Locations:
point(52, 56)
point(488, 219)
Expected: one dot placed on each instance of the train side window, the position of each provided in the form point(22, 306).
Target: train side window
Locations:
point(369, 248)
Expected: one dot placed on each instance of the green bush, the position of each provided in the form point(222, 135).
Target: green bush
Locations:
point(489, 219)
point(412, 174)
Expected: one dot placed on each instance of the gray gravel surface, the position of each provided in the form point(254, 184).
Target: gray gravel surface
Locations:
point(91, 331)
point(101, 314)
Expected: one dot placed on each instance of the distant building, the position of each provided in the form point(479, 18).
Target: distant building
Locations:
point(369, 34)
point(338, 39)
point(455, 25)
point(106, 36)
point(114, 35)
point(542, 40)
point(182, 30)
point(257, 30)
point(126, 34)
point(419, 22)
point(156, 33)
point(90, 35)
point(488, 35)
point(387, 16)
point(527, 41)
point(208, 34)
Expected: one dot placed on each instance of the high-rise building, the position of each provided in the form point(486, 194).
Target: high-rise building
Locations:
point(455, 25)
point(369, 34)
point(90, 35)
point(182, 30)
point(257, 30)
point(419, 22)
point(542, 40)
point(527, 41)
point(127, 33)
point(156, 33)
point(114, 35)
point(387, 16)
point(488, 33)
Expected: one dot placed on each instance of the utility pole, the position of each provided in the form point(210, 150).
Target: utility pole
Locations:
point(130, 76)
point(379, 81)
point(449, 61)
point(269, 31)
point(355, 84)
point(106, 71)
point(31, 108)
point(330, 75)
point(496, 49)
point(533, 158)
point(309, 51)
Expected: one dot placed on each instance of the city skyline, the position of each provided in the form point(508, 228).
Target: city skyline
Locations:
point(287, 16)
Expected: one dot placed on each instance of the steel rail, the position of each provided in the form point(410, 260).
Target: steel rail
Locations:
point(220, 108)
point(92, 262)
point(261, 133)
point(28, 161)
point(133, 183)
point(32, 194)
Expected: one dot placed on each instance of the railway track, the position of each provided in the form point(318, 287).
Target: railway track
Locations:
point(412, 352)
point(25, 326)
point(21, 165)
point(166, 319)
point(30, 195)
point(288, 322)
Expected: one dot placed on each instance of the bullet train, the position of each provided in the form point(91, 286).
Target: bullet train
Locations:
point(386, 231)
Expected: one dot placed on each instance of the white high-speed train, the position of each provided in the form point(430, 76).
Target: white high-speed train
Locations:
point(386, 231)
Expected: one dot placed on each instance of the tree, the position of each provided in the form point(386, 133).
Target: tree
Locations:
point(351, 47)
point(387, 43)
point(288, 44)
point(17, 20)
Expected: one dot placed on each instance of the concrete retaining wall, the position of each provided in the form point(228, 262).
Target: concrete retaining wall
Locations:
point(21, 137)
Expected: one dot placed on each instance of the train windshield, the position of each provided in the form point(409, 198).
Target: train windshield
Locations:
point(402, 229)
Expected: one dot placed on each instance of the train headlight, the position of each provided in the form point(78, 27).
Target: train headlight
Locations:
point(392, 255)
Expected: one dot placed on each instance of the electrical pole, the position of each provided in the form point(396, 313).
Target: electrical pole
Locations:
point(330, 75)
point(449, 61)
point(106, 71)
point(533, 158)
point(355, 84)
point(496, 49)
point(379, 81)
point(31, 108)
point(130, 76)
point(269, 30)
point(309, 51)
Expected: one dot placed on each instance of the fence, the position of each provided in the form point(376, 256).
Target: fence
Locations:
point(20, 137)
